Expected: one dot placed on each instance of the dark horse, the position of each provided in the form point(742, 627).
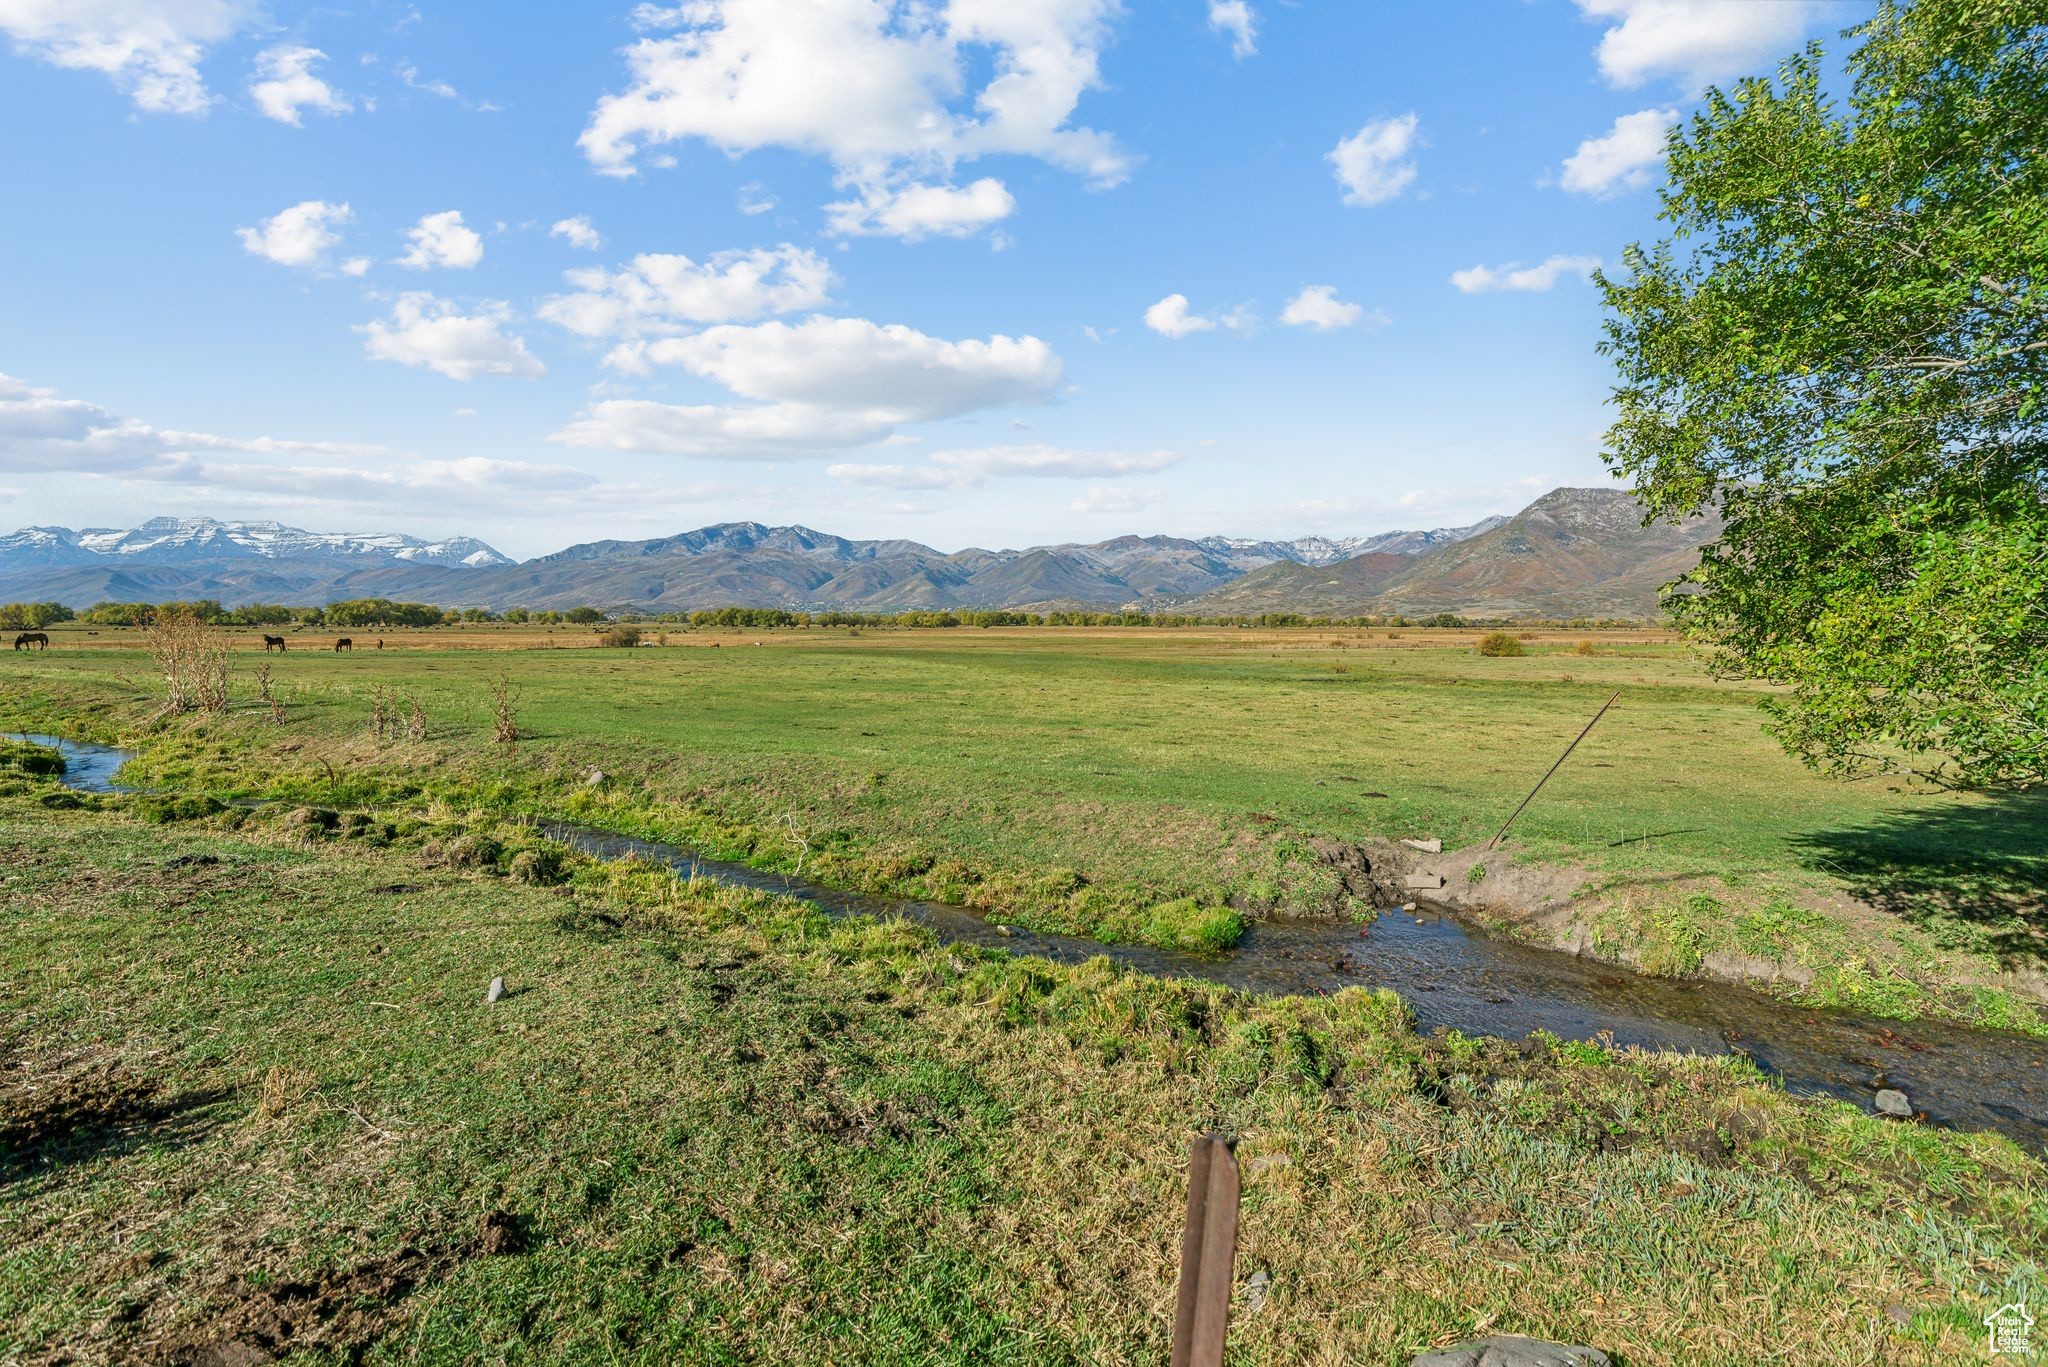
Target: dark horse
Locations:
point(272, 643)
point(32, 638)
point(345, 644)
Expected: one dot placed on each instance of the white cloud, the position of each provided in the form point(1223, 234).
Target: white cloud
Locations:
point(578, 233)
point(914, 211)
point(1621, 159)
point(1318, 307)
point(972, 468)
point(1372, 164)
point(283, 83)
point(1170, 317)
point(1515, 276)
point(356, 265)
point(300, 235)
point(1237, 19)
point(150, 49)
point(822, 384)
point(1103, 499)
point(1699, 40)
point(895, 93)
point(441, 240)
point(755, 199)
point(434, 333)
point(657, 293)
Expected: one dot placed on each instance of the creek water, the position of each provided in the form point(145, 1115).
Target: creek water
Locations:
point(1970, 1079)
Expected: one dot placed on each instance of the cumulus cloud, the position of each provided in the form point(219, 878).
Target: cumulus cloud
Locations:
point(300, 235)
point(658, 293)
point(149, 49)
point(1236, 18)
point(1318, 307)
point(1373, 164)
point(441, 240)
point(972, 468)
point(577, 232)
point(822, 384)
point(1170, 317)
point(894, 93)
point(1622, 158)
point(1698, 40)
point(437, 335)
point(914, 211)
point(283, 83)
point(1514, 275)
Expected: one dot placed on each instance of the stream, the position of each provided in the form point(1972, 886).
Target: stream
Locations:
point(1958, 1076)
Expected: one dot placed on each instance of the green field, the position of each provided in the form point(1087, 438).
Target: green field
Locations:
point(253, 1105)
point(1155, 785)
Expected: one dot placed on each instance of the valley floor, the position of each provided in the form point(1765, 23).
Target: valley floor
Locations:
point(253, 1102)
point(1159, 785)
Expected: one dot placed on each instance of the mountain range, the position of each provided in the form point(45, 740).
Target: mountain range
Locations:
point(1574, 552)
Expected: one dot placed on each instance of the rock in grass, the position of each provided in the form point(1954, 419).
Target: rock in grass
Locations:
point(1423, 881)
point(1433, 845)
point(1512, 1350)
point(497, 992)
point(596, 778)
point(1894, 1103)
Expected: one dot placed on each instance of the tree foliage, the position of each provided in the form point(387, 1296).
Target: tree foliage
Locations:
point(1844, 345)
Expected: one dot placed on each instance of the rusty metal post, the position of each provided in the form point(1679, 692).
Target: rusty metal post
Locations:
point(1208, 1255)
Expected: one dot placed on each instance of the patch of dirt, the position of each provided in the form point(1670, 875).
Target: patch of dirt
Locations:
point(57, 1110)
point(1535, 895)
point(1371, 870)
point(344, 1311)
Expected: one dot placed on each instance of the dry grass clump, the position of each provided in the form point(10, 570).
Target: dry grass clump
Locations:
point(1500, 643)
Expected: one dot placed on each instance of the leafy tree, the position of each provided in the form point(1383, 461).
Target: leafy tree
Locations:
point(1844, 347)
point(583, 616)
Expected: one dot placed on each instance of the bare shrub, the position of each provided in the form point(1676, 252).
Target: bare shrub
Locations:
point(416, 724)
point(193, 659)
point(380, 715)
point(1583, 648)
point(503, 700)
point(621, 637)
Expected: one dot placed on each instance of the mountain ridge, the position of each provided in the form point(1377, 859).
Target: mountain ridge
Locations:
point(1572, 552)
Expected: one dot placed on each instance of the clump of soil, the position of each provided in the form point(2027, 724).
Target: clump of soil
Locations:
point(346, 1310)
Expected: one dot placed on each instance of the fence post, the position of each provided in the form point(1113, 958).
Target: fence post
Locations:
point(1208, 1255)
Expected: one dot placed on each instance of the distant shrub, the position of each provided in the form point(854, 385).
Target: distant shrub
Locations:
point(621, 636)
point(1499, 643)
point(1583, 648)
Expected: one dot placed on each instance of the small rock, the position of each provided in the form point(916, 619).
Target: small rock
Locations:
point(1512, 1350)
point(596, 778)
point(497, 992)
point(1430, 881)
point(1893, 1102)
point(1433, 845)
point(1254, 1292)
point(1407, 906)
point(1005, 931)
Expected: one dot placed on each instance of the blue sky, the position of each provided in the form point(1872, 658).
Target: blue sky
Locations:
point(993, 272)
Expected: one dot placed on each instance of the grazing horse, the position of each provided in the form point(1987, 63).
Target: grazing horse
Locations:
point(270, 642)
point(344, 644)
point(32, 638)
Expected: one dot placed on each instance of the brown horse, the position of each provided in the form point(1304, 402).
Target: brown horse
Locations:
point(32, 638)
point(344, 644)
point(271, 643)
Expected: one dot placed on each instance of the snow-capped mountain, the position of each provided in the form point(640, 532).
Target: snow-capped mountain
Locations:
point(175, 541)
point(1327, 550)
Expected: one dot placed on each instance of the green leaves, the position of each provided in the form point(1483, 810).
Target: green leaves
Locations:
point(1844, 345)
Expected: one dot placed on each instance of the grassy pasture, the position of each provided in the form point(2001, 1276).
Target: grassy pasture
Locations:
point(1156, 784)
point(252, 1104)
